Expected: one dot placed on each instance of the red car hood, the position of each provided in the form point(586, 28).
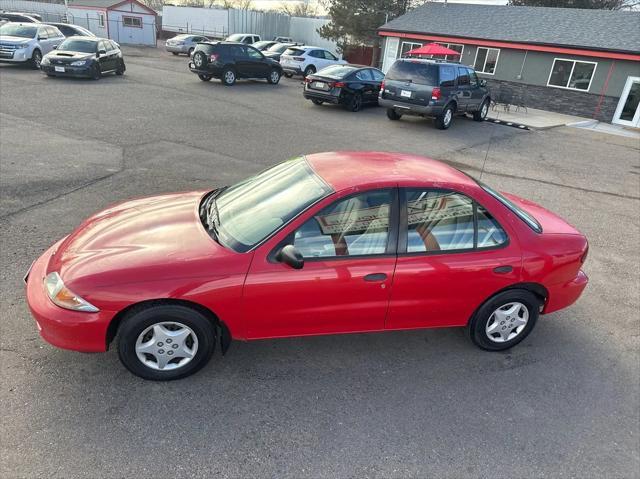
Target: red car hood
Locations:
point(147, 239)
point(550, 222)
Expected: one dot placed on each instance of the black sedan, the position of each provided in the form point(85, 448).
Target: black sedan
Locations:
point(349, 85)
point(84, 57)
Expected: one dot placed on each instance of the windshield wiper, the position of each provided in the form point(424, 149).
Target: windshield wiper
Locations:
point(212, 217)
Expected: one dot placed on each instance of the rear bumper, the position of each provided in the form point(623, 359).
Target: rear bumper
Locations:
point(564, 295)
point(318, 95)
point(210, 70)
point(292, 70)
point(63, 328)
point(409, 108)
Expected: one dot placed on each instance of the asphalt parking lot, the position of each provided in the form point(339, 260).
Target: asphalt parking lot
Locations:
point(564, 403)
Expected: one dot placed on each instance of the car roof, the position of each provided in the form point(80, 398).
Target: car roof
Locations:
point(358, 169)
point(432, 62)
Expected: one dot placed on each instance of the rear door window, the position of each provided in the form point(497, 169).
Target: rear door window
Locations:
point(473, 78)
point(414, 71)
point(447, 76)
point(42, 33)
point(364, 75)
point(463, 77)
point(377, 75)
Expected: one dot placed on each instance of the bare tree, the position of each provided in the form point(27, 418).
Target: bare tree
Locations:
point(298, 9)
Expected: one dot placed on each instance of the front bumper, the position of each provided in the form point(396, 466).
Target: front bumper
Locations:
point(409, 108)
point(15, 56)
point(564, 295)
point(83, 71)
point(177, 48)
point(63, 328)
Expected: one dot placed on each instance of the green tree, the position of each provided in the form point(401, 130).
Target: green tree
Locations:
point(590, 4)
point(356, 22)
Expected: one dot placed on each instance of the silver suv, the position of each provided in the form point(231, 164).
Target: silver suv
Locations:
point(27, 42)
point(184, 43)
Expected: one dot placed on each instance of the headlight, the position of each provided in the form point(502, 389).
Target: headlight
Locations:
point(78, 63)
point(24, 45)
point(44, 61)
point(64, 297)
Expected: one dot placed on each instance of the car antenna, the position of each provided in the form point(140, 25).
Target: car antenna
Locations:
point(486, 155)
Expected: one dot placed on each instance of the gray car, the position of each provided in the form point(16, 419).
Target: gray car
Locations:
point(434, 89)
point(27, 42)
point(184, 43)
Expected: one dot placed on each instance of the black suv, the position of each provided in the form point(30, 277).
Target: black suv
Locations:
point(230, 60)
point(434, 89)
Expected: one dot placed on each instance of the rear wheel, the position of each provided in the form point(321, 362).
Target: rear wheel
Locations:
point(228, 76)
point(310, 70)
point(121, 67)
point(204, 77)
point(393, 115)
point(444, 120)
point(165, 341)
point(504, 320)
point(274, 77)
point(36, 59)
point(316, 102)
point(190, 51)
point(175, 53)
point(354, 103)
point(288, 75)
point(482, 112)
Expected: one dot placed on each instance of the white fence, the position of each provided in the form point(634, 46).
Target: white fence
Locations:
point(51, 12)
point(305, 30)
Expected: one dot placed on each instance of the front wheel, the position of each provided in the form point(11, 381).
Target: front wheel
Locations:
point(393, 115)
point(175, 53)
point(444, 120)
point(228, 77)
point(190, 52)
point(316, 101)
point(204, 77)
point(165, 341)
point(274, 77)
point(288, 75)
point(504, 320)
point(36, 59)
point(482, 112)
point(96, 74)
point(121, 68)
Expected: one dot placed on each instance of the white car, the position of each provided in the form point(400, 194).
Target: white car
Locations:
point(247, 38)
point(27, 42)
point(306, 60)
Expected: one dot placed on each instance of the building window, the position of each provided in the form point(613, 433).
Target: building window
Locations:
point(486, 60)
point(571, 74)
point(101, 19)
point(455, 47)
point(406, 46)
point(134, 22)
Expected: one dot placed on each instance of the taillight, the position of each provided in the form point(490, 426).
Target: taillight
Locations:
point(298, 59)
point(436, 94)
point(382, 85)
point(213, 57)
point(307, 80)
point(339, 84)
point(583, 258)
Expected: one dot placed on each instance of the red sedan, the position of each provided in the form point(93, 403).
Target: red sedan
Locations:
point(324, 244)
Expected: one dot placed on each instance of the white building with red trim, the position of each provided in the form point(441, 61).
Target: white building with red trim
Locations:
point(126, 22)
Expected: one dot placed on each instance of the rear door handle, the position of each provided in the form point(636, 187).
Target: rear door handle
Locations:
point(503, 269)
point(375, 277)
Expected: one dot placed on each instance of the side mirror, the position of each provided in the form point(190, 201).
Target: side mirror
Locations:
point(483, 82)
point(102, 52)
point(55, 47)
point(289, 255)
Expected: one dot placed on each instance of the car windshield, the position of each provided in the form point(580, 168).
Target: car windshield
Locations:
point(294, 51)
point(253, 209)
point(414, 71)
point(262, 44)
point(278, 48)
point(336, 71)
point(75, 45)
point(12, 30)
point(519, 212)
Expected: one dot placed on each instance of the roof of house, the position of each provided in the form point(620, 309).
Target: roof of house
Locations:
point(580, 28)
point(104, 3)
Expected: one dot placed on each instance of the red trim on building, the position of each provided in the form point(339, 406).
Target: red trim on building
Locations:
point(141, 5)
point(515, 46)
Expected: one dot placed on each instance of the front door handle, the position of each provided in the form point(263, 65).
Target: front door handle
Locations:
point(503, 269)
point(375, 277)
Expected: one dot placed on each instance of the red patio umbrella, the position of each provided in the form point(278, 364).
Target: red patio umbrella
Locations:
point(432, 49)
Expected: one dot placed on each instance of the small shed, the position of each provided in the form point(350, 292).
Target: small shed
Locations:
point(127, 22)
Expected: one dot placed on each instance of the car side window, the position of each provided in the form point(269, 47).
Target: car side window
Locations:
point(490, 233)
point(329, 56)
point(377, 75)
point(42, 33)
point(355, 226)
point(463, 76)
point(316, 54)
point(447, 76)
point(247, 40)
point(104, 46)
point(364, 75)
point(113, 45)
point(253, 53)
point(473, 78)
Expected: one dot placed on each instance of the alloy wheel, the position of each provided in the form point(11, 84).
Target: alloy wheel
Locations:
point(168, 345)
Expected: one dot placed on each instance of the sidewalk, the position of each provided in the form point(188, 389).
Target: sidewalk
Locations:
point(532, 118)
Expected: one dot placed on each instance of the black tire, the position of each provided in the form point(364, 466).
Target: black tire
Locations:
point(204, 77)
point(310, 70)
point(96, 74)
point(175, 53)
point(137, 321)
point(288, 75)
point(36, 59)
point(190, 52)
point(354, 103)
point(482, 112)
point(393, 115)
point(200, 60)
point(445, 119)
point(228, 76)
point(316, 102)
point(274, 77)
point(121, 68)
point(478, 323)
point(51, 75)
